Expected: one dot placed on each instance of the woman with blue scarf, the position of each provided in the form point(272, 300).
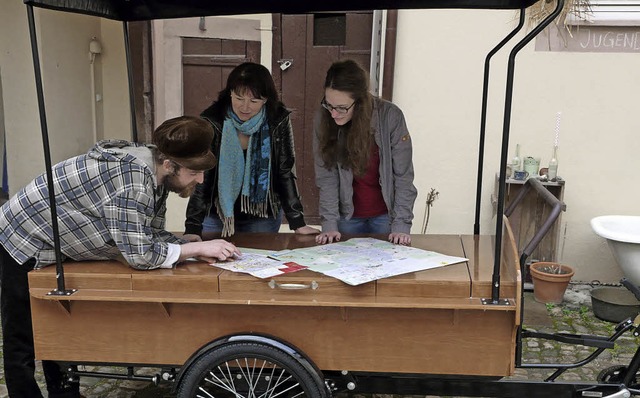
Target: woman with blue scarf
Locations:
point(254, 181)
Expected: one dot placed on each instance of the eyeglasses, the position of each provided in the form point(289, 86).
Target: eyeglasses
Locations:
point(339, 109)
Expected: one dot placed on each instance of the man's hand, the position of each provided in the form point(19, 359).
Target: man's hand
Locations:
point(399, 238)
point(307, 230)
point(328, 237)
point(218, 249)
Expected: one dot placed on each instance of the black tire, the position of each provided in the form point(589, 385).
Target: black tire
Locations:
point(250, 370)
point(615, 375)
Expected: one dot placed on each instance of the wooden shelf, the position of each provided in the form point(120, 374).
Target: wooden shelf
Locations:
point(526, 220)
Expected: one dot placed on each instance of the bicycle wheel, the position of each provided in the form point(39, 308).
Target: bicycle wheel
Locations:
point(249, 370)
point(615, 375)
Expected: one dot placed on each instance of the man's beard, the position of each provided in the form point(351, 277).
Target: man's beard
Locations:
point(171, 183)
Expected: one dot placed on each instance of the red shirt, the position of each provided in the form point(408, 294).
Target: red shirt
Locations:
point(367, 192)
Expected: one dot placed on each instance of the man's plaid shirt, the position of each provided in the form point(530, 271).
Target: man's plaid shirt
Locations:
point(108, 206)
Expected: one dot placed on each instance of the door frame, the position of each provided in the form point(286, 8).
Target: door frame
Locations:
point(167, 54)
point(381, 81)
point(386, 52)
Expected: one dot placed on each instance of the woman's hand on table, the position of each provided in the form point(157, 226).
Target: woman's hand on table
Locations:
point(399, 238)
point(307, 230)
point(328, 237)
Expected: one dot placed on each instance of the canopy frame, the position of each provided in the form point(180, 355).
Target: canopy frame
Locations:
point(137, 10)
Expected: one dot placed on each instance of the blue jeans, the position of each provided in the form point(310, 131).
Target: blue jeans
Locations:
point(253, 224)
point(365, 225)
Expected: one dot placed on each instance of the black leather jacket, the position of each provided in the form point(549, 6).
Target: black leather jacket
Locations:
point(283, 191)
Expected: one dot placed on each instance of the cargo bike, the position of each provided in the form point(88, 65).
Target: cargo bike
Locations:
point(455, 330)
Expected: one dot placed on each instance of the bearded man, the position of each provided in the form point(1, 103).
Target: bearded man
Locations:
point(110, 205)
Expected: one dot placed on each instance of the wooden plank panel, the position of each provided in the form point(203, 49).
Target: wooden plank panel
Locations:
point(187, 277)
point(511, 258)
point(357, 339)
point(169, 297)
point(85, 275)
point(269, 241)
point(480, 251)
point(319, 286)
point(450, 281)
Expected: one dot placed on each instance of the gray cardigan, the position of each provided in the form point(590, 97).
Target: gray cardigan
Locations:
point(396, 172)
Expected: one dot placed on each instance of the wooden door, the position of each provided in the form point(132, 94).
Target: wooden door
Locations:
point(312, 42)
point(206, 64)
point(140, 43)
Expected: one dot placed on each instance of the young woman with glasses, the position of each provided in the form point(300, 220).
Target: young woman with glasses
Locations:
point(254, 181)
point(363, 160)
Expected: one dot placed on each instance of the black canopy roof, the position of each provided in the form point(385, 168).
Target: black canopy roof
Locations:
point(137, 10)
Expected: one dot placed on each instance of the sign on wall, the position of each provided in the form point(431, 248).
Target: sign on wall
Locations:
point(612, 39)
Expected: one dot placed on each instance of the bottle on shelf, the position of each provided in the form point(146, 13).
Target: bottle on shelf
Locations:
point(552, 174)
point(516, 162)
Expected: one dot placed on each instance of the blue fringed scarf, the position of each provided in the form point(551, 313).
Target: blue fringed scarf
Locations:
point(237, 175)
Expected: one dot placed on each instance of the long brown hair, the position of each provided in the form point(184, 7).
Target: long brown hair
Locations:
point(352, 151)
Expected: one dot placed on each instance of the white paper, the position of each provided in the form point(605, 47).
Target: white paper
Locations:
point(361, 260)
point(257, 262)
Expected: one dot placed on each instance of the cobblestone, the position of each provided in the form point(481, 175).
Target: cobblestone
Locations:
point(574, 315)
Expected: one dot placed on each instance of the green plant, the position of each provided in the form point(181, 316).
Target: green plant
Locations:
point(584, 314)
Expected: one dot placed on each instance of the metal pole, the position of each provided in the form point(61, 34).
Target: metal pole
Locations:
point(132, 102)
point(483, 117)
point(495, 283)
point(47, 157)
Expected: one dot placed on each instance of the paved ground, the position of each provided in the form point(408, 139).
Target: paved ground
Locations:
point(573, 316)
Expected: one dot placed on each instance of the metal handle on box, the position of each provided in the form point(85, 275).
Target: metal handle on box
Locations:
point(293, 286)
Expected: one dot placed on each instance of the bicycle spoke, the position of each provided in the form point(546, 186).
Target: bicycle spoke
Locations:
point(249, 377)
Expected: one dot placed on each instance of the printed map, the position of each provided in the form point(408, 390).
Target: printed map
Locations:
point(258, 263)
point(361, 260)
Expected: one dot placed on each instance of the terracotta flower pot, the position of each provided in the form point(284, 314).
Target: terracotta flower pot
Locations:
point(550, 280)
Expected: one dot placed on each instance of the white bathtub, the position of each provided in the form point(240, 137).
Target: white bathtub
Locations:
point(623, 236)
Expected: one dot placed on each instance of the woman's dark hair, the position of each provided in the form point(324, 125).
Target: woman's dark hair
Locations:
point(349, 77)
point(255, 79)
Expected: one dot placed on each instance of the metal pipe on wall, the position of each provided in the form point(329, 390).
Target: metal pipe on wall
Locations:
point(94, 49)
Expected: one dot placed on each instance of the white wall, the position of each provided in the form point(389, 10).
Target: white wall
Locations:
point(115, 85)
point(63, 40)
point(438, 85)
point(440, 57)
point(64, 43)
point(19, 96)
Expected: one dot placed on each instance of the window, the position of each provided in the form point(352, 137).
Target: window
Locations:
point(329, 29)
point(607, 13)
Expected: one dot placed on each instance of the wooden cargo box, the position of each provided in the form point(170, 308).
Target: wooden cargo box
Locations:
point(431, 321)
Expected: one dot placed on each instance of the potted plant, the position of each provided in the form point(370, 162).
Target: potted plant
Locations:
point(550, 280)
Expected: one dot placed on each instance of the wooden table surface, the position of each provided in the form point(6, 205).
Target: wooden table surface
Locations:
point(194, 280)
